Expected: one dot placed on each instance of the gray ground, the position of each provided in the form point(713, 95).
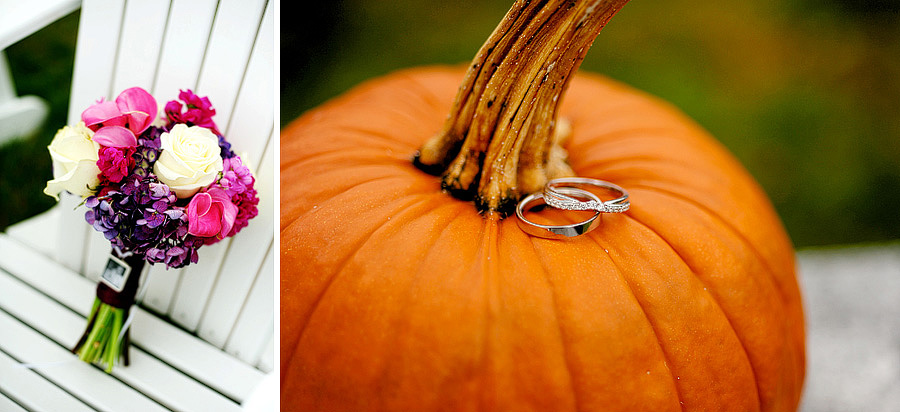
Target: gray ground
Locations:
point(852, 302)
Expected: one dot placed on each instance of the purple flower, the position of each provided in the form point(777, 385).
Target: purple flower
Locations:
point(236, 178)
point(226, 152)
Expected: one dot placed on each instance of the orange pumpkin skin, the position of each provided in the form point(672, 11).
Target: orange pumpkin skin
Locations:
point(397, 297)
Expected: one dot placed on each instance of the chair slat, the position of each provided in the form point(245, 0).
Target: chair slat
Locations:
point(144, 23)
point(267, 360)
point(231, 40)
point(256, 322)
point(249, 128)
point(33, 231)
point(20, 19)
point(159, 288)
point(197, 281)
point(95, 57)
point(250, 246)
point(8, 405)
point(97, 251)
point(187, 32)
point(95, 54)
point(33, 391)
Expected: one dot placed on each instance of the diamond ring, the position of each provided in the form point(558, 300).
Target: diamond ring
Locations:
point(555, 195)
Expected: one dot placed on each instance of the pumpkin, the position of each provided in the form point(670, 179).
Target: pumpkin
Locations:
point(398, 292)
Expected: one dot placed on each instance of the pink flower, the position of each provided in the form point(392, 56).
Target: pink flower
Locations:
point(211, 214)
point(199, 111)
point(115, 163)
point(116, 124)
point(236, 178)
point(247, 209)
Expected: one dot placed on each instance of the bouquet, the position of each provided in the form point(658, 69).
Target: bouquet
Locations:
point(158, 187)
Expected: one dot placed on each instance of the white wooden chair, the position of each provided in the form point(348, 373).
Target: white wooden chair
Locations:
point(203, 337)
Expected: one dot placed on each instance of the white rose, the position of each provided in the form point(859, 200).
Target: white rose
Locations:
point(74, 156)
point(190, 159)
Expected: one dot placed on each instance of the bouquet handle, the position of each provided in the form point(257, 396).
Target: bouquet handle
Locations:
point(104, 342)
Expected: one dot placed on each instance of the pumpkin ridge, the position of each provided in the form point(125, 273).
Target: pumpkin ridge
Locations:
point(796, 351)
point(612, 142)
point(715, 300)
point(339, 268)
point(597, 241)
point(426, 93)
point(419, 274)
point(793, 353)
point(782, 294)
point(345, 150)
point(362, 158)
point(630, 159)
point(358, 154)
point(380, 135)
point(303, 214)
point(669, 365)
point(565, 349)
point(491, 272)
point(613, 165)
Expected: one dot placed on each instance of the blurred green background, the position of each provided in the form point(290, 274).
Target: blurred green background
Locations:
point(805, 93)
point(41, 65)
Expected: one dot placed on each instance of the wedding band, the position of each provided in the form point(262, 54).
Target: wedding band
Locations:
point(556, 231)
point(556, 197)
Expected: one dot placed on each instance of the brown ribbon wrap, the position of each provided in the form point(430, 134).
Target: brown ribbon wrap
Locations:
point(122, 300)
point(125, 298)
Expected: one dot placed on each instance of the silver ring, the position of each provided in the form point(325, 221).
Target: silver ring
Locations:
point(554, 231)
point(556, 197)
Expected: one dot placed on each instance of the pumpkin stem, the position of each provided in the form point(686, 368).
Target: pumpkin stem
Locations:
point(502, 139)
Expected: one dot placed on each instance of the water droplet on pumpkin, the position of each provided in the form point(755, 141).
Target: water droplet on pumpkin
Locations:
point(648, 372)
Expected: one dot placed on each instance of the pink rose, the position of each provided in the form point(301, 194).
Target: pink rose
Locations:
point(115, 162)
point(211, 214)
point(117, 124)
